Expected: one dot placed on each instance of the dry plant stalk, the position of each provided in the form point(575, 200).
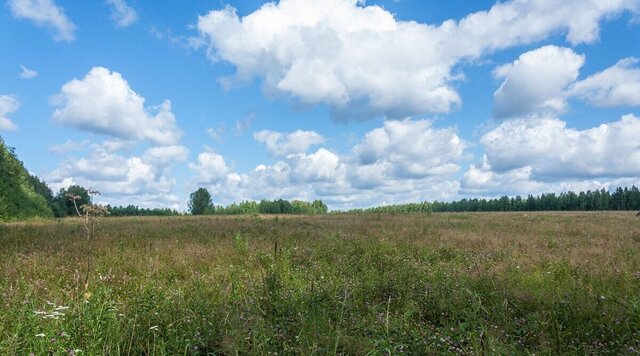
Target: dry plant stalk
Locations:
point(88, 214)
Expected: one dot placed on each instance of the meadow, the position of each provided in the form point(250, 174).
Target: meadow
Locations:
point(472, 283)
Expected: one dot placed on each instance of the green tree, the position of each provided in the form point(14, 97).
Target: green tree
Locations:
point(199, 201)
point(65, 204)
point(20, 198)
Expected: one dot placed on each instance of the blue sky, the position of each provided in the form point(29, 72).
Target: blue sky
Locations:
point(355, 103)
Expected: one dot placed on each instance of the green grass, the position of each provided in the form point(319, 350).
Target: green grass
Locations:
point(349, 284)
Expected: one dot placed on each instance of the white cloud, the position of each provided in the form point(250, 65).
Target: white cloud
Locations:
point(415, 161)
point(45, 13)
point(481, 180)
point(323, 165)
point(542, 154)
point(618, 85)
point(163, 156)
point(244, 124)
point(27, 73)
point(141, 180)
point(281, 144)
point(210, 168)
point(122, 14)
point(8, 105)
point(411, 148)
point(216, 134)
point(540, 82)
point(103, 102)
point(86, 145)
point(360, 60)
point(536, 81)
point(69, 146)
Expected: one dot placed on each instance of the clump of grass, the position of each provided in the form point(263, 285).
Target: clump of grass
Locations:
point(349, 284)
point(241, 243)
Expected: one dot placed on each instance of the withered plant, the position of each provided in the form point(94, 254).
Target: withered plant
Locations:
point(88, 214)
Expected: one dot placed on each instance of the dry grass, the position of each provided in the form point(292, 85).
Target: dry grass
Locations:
point(461, 283)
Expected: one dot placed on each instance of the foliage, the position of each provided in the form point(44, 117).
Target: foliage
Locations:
point(620, 199)
point(68, 208)
point(199, 201)
point(278, 206)
point(41, 188)
point(132, 210)
point(499, 283)
point(424, 207)
point(20, 198)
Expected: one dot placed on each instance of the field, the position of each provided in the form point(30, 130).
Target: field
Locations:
point(347, 284)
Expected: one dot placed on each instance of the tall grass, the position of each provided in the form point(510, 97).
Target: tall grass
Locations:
point(348, 284)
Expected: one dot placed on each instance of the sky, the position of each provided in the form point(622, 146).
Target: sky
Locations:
point(357, 103)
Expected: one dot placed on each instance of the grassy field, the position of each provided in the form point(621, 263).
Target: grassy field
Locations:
point(347, 284)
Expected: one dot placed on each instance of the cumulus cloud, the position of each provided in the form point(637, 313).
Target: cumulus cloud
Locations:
point(104, 103)
point(161, 157)
point(536, 81)
point(122, 14)
point(534, 155)
point(618, 85)
point(145, 179)
point(45, 13)
point(553, 150)
point(480, 180)
point(542, 80)
point(360, 60)
point(323, 165)
point(210, 168)
point(27, 73)
point(411, 148)
point(405, 168)
point(281, 144)
point(8, 105)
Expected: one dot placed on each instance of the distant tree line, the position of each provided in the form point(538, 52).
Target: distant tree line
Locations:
point(278, 206)
point(132, 210)
point(620, 199)
point(200, 203)
point(424, 207)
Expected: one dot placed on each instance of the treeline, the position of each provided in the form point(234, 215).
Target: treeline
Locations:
point(200, 203)
point(279, 206)
point(424, 207)
point(133, 210)
point(620, 199)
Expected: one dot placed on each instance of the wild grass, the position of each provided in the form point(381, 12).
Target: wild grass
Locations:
point(509, 283)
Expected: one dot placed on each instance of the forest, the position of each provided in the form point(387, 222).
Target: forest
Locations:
point(591, 200)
